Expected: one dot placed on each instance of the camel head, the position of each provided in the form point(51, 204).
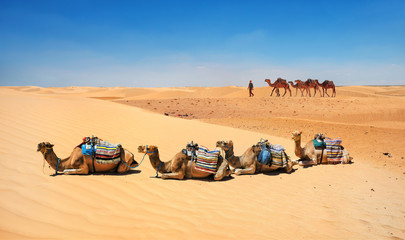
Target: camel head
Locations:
point(257, 148)
point(296, 135)
point(225, 145)
point(267, 81)
point(44, 146)
point(148, 149)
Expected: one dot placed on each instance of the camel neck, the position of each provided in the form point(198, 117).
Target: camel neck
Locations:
point(52, 160)
point(233, 160)
point(156, 162)
point(298, 149)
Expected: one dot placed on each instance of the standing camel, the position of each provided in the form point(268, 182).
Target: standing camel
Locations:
point(311, 155)
point(77, 163)
point(302, 86)
point(298, 85)
point(325, 86)
point(312, 84)
point(181, 166)
point(279, 83)
point(247, 163)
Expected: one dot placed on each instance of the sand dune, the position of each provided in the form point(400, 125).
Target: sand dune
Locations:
point(357, 201)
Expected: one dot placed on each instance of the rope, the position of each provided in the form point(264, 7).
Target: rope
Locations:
point(227, 151)
point(136, 165)
point(57, 166)
point(157, 171)
point(141, 160)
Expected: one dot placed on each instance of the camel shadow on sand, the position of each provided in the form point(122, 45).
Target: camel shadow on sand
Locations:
point(130, 172)
point(278, 172)
point(208, 179)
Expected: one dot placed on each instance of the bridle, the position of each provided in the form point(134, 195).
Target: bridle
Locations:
point(297, 137)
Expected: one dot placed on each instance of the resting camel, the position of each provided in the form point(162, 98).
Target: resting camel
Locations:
point(311, 156)
point(181, 166)
point(279, 83)
point(77, 163)
point(325, 85)
point(247, 163)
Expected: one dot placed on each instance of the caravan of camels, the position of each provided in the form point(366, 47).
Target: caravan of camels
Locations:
point(303, 86)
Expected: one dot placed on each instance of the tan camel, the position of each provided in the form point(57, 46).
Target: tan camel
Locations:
point(247, 163)
point(77, 163)
point(279, 83)
point(309, 155)
point(181, 166)
point(325, 85)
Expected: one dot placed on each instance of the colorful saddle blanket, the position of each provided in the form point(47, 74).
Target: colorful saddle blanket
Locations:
point(277, 156)
point(334, 150)
point(104, 153)
point(207, 160)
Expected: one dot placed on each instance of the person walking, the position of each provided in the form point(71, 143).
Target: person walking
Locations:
point(250, 87)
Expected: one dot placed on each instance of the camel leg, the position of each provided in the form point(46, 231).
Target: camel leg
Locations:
point(249, 170)
point(289, 166)
point(122, 168)
point(272, 91)
point(326, 91)
point(223, 171)
point(81, 171)
point(177, 175)
point(285, 91)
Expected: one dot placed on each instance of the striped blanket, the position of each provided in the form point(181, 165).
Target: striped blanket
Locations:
point(278, 156)
point(107, 153)
point(207, 160)
point(334, 151)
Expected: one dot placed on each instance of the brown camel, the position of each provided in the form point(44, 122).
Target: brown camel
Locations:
point(279, 83)
point(309, 155)
point(325, 85)
point(181, 166)
point(297, 86)
point(247, 163)
point(303, 87)
point(77, 163)
point(310, 83)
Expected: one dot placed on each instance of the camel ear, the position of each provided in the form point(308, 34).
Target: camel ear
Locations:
point(300, 132)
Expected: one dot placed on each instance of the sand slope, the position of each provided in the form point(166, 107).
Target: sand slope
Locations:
point(354, 201)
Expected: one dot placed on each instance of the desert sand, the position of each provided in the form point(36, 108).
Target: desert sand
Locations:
point(363, 200)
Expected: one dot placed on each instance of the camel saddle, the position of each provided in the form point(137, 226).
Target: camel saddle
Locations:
point(319, 141)
point(103, 151)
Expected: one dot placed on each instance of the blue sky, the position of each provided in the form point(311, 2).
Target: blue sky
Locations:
point(200, 43)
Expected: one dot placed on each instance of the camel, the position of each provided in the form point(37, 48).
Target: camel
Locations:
point(279, 83)
point(77, 163)
point(310, 83)
point(309, 155)
point(247, 163)
point(181, 166)
point(325, 85)
point(297, 86)
point(302, 86)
